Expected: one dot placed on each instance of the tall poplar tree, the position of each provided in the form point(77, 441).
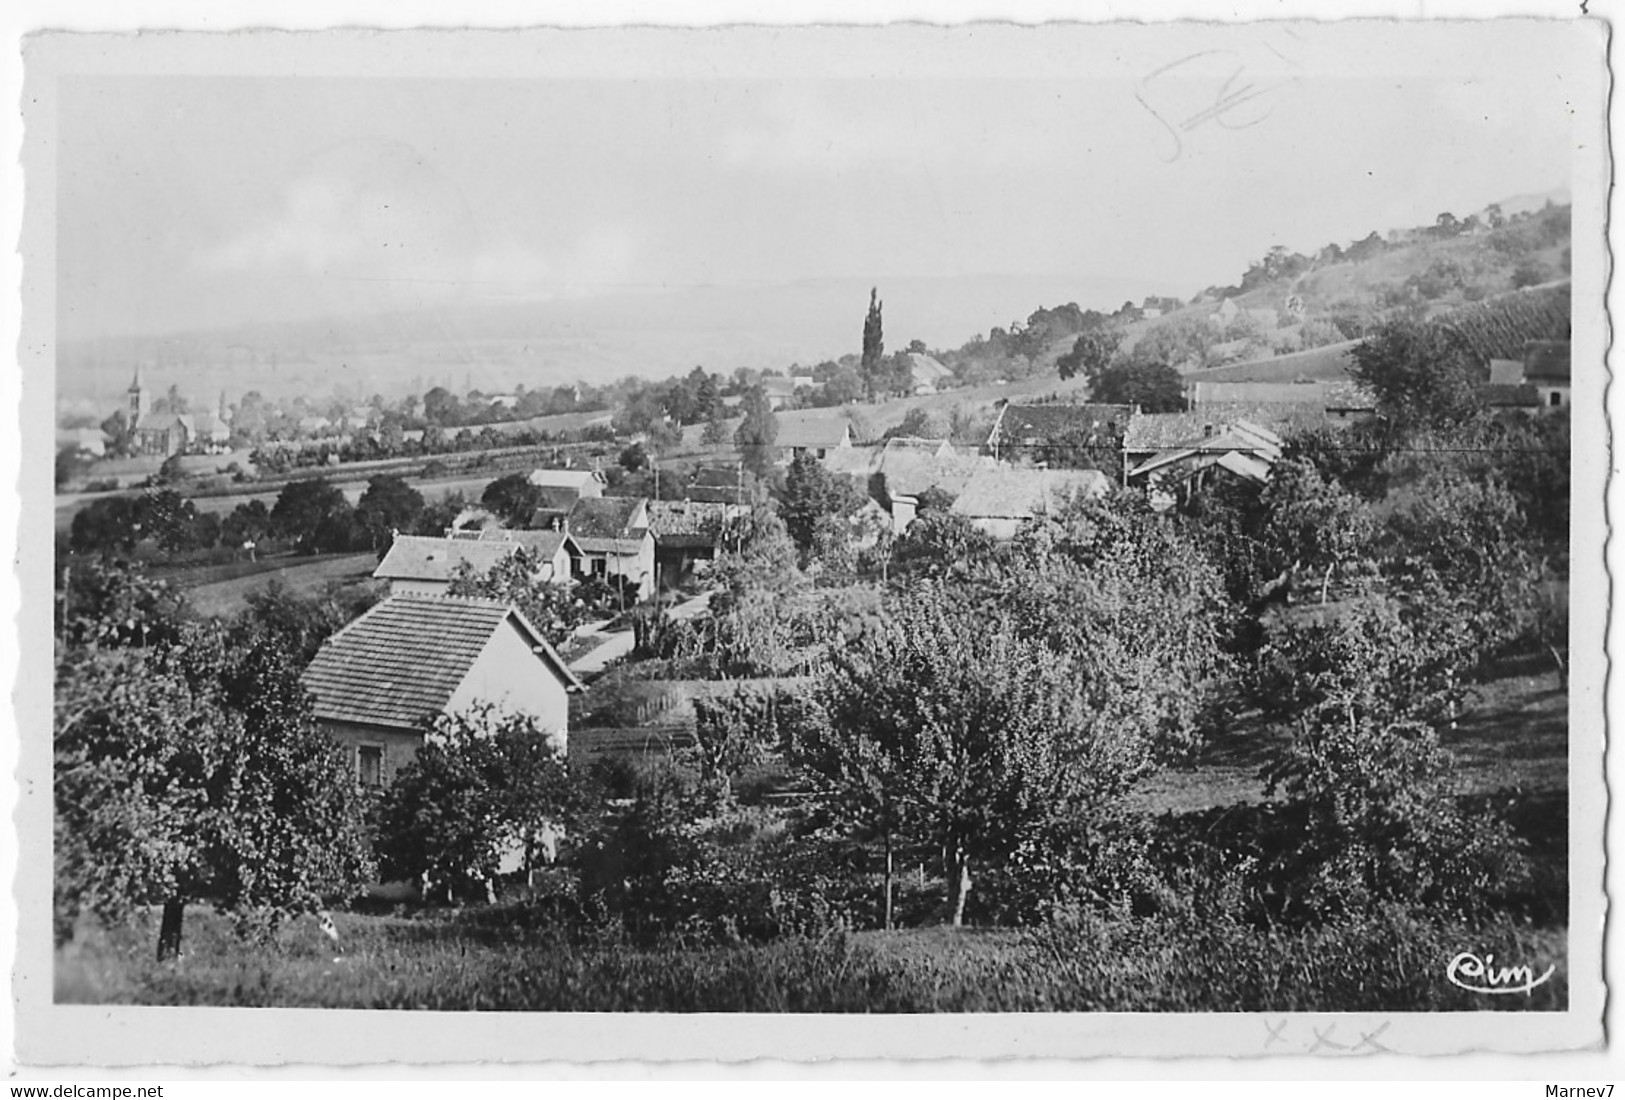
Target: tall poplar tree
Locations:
point(874, 347)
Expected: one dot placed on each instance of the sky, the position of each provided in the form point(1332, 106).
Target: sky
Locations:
point(195, 201)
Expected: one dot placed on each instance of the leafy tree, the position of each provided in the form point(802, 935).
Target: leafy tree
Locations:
point(441, 407)
point(874, 348)
point(513, 498)
point(1421, 374)
point(388, 505)
point(113, 604)
point(939, 544)
point(757, 432)
point(314, 514)
point(194, 770)
point(549, 605)
point(810, 493)
point(981, 738)
point(1092, 352)
point(485, 783)
point(634, 458)
point(716, 428)
point(248, 522)
point(105, 524)
point(1155, 387)
point(1315, 523)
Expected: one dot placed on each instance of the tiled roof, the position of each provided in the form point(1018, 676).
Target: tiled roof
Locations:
point(544, 544)
point(717, 477)
point(912, 472)
point(604, 518)
point(1509, 397)
point(1036, 424)
point(812, 428)
point(1018, 492)
point(926, 368)
point(1547, 359)
point(672, 518)
point(575, 480)
point(1161, 431)
point(425, 558)
point(401, 662)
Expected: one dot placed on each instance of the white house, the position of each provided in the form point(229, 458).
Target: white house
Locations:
point(614, 540)
point(379, 682)
point(818, 431)
point(424, 565)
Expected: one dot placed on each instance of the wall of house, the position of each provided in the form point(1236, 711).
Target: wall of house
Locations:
point(400, 747)
point(401, 587)
point(508, 675)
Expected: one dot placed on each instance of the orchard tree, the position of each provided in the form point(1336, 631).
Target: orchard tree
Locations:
point(486, 783)
point(550, 606)
point(106, 524)
point(388, 505)
point(1315, 523)
point(980, 737)
point(195, 771)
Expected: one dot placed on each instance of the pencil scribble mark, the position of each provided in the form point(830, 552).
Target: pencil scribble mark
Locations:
point(1275, 1035)
point(1368, 1039)
point(1181, 96)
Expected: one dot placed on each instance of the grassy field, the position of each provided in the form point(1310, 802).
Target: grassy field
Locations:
point(223, 589)
point(501, 959)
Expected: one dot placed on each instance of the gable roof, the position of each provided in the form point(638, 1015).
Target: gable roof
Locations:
point(605, 517)
point(1039, 424)
point(1547, 360)
point(543, 544)
point(401, 662)
point(814, 428)
point(1018, 492)
point(669, 518)
point(576, 480)
point(910, 471)
point(427, 558)
point(926, 368)
point(1161, 431)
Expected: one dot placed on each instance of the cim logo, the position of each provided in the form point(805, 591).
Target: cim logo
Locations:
point(1477, 975)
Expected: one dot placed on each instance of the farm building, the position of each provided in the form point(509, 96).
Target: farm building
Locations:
point(816, 431)
point(1000, 499)
point(615, 542)
point(381, 680)
point(1035, 433)
point(424, 565)
point(686, 532)
point(558, 491)
point(718, 483)
point(1187, 463)
point(926, 374)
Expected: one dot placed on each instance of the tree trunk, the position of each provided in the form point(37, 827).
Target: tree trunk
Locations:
point(1327, 583)
point(169, 932)
point(958, 883)
point(888, 923)
point(1562, 669)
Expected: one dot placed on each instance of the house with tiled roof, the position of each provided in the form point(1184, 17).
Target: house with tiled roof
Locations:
point(686, 533)
point(378, 683)
point(720, 483)
point(927, 375)
point(1191, 453)
point(614, 541)
point(908, 468)
point(1001, 498)
point(1039, 433)
point(815, 431)
point(1547, 367)
point(423, 565)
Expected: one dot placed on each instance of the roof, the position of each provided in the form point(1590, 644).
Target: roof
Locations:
point(926, 368)
point(1033, 424)
point(1506, 372)
point(1329, 363)
point(1160, 431)
point(426, 558)
point(576, 480)
point(401, 663)
point(911, 471)
point(1019, 492)
point(605, 518)
point(1509, 397)
point(813, 428)
point(543, 544)
point(1546, 360)
point(680, 517)
point(717, 477)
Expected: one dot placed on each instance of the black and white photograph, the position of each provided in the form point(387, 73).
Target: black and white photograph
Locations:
point(767, 541)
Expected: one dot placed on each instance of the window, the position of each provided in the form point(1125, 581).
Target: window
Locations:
point(369, 765)
point(1555, 398)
